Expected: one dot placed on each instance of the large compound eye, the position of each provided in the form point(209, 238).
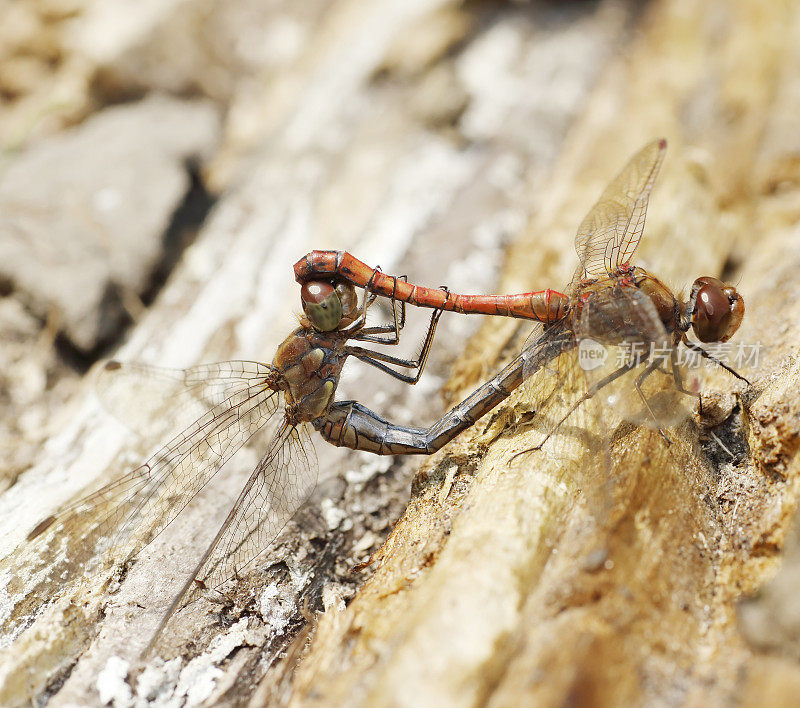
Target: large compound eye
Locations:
point(718, 310)
point(321, 304)
point(348, 298)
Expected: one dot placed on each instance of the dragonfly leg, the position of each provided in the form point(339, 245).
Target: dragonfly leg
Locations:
point(366, 334)
point(591, 391)
point(379, 359)
point(395, 278)
point(402, 323)
point(358, 324)
point(651, 367)
point(396, 325)
point(676, 375)
point(707, 355)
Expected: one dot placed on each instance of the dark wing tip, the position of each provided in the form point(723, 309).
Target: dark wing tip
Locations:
point(112, 365)
point(41, 527)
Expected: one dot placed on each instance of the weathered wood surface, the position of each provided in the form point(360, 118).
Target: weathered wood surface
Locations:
point(424, 137)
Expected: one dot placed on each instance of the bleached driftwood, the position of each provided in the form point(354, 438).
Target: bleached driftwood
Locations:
point(425, 156)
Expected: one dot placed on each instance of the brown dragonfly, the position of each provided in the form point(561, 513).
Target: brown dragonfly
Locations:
point(609, 304)
point(243, 398)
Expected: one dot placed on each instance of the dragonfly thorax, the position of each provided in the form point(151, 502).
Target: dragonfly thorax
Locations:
point(309, 364)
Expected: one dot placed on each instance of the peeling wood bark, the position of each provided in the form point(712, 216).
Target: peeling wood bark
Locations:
point(498, 584)
point(470, 603)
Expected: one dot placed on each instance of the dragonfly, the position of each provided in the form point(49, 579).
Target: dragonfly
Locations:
point(285, 399)
point(296, 392)
point(609, 303)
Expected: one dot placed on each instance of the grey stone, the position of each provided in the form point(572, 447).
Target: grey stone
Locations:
point(84, 213)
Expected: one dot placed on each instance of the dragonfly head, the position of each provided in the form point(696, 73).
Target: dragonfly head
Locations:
point(327, 305)
point(716, 309)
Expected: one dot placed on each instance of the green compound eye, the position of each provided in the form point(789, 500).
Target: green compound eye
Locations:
point(321, 304)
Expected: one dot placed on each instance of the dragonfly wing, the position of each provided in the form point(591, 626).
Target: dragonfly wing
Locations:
point(533, 343)
point(608, 236)
point(137, 507)
point(553, 395)
point(155, 401)
point(553, 382)
point(566, 424)
point(619, 336)
point(613, 312)
point(547, 365)
point(568, 413)
point(280, 484)
point(544, 345)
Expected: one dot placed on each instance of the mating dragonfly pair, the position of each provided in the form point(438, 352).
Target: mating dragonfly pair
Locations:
point(609, 301)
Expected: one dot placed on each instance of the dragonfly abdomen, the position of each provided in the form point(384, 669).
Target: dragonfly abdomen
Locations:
point(349, 424)
point(541, 305)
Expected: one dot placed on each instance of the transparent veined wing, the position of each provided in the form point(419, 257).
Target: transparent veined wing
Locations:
point(566, 425)
point(633, 368)
point(553, 380)
point(608, 236)
point(155, 401)
point(139, 505)
point(278, 486)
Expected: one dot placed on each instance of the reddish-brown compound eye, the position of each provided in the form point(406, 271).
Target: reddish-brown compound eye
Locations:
point(321, 304)
point(718, 310)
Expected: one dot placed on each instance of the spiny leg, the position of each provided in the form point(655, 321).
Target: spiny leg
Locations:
point(366, 334)
point(676, 375)
point(590, 393)
point(376, 358)
point(358, 324)
point(651, 367)
point(706, 355)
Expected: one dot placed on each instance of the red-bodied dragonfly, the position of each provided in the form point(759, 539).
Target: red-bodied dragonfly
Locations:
point(609, 303)
point(298, 390)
